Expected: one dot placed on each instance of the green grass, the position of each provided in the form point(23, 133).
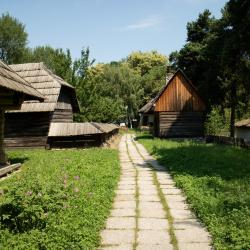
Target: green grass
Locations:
point(216, 181)
point(59, 200)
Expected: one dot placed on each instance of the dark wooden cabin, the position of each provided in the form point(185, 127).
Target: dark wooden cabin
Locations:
point(177, 110)
point(50, 124)
point(13, 91)
point(29, 125)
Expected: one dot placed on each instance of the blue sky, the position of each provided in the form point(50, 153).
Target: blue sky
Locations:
point(111, 28)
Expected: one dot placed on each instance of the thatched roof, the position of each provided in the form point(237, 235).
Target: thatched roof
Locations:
point(48, 84)
point(243, 123)
point(9, 79)
point(74, 129)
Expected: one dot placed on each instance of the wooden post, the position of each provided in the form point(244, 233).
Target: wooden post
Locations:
point(3, 158)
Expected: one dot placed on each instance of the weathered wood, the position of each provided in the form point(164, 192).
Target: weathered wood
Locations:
point(9, 169)
point(27, 129)
point(182, 124)
point(62, 116)
point(179, 96)
point(3, 158)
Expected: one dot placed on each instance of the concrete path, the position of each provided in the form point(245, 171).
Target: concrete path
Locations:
point(149, 212)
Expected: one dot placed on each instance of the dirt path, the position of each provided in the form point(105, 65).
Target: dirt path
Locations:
point(149, 212)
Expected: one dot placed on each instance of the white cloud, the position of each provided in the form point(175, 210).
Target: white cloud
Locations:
point(144, 23)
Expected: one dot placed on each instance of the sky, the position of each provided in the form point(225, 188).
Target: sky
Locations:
point(112, 29)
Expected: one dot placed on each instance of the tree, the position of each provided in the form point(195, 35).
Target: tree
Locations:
point(13, 39)
point(57, 60)
point(143, 62)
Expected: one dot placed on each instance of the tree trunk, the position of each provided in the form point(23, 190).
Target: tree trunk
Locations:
point(233, 108)
point(3, 158)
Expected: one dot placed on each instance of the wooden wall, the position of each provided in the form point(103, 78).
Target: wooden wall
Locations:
point(62, 115)
point(26, 129)
point(179, 96)
point(180, 124)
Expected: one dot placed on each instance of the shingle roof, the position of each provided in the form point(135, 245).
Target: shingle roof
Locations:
point(47, 83)
point(85, 128)
point(243, 123)
point(11, 80)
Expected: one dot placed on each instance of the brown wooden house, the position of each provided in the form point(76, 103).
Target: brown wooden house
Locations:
point(13, 91)
point(50, 124)
point(29, 125)
point(177, 110)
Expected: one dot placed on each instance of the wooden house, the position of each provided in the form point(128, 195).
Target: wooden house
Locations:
point(242, 130)
point(13, 91)
point(177, 110)
point(50, 124)
point(29, 125)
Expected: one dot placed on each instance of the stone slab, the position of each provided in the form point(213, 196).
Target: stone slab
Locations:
point(194, 246)
point(125, 197)
point(117, 247)
point(153, 237)
point(124, 204)
point(123, 212)
point(150, 205)
point(152, 224)
point(115, 237)
point(192, 235)
point(120, 223)
point(154, 247)
point(149, 213)
point(148, 198)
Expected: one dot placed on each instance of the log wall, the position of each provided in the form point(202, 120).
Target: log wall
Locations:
point(27, 129)
point(62, 115)
point(180, 124)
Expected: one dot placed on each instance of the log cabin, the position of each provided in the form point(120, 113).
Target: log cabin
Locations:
point(13, 91)
point(29, 125)
point(50, 124)
point(177, 111)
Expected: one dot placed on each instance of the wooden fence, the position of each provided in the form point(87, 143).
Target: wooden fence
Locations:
point(227, 141)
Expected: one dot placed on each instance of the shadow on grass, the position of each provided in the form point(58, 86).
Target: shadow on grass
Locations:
point(14, 160)
point(198, 159)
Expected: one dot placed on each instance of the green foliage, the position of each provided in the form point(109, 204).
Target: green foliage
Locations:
point(216, 57)
point(216, 181)
point(59, 200)
point(13, 39)
point(57, 60)
point(143, 62)
point(216, 122)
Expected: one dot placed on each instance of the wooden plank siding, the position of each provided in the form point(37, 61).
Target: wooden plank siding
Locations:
point(62, 115)
point(27, 129)
point(180, 124)
point(179, 110)
point(179, 96)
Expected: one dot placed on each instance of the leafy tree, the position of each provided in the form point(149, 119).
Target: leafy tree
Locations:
point(13, 39)
point(143, 62)
point(57, 60)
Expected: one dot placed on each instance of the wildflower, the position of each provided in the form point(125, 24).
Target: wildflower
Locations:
point(39, 195)
point(77, 177)
point(29, 193)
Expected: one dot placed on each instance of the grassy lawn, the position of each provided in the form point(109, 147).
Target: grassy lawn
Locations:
point(216, 181)
point(59, 200)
